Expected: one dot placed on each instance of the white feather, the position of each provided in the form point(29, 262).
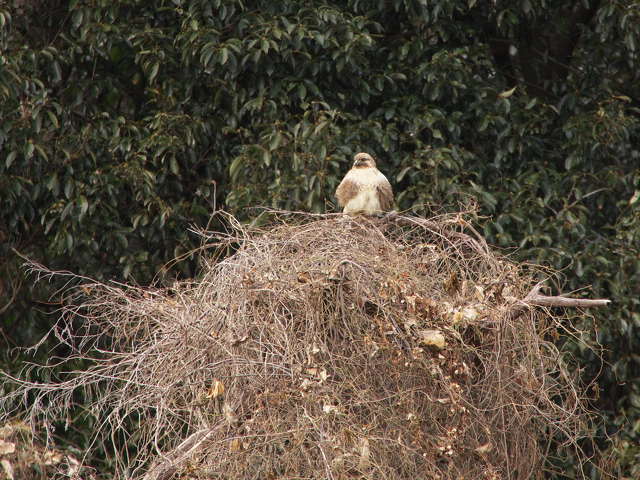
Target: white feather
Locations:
point(366, 200)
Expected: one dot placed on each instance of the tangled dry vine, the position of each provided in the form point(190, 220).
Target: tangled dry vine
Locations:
point(322, 347)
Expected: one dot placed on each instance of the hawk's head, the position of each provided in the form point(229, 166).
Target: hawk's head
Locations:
point(363, 160)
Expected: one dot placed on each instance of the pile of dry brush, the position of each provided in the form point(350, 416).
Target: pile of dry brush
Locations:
point(323, 347)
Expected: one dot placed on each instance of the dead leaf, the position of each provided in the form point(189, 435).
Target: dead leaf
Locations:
point(306, 384)
point(229, 414)
point(328, 408)
point(7, 447)
point(238, 340)
point(432, 337)
point(304, 277)
point(365, 452)
point(467, 314)
point(73, 466)
point(452, 284)
point(487, 447)
point(51, 457)
point(216, 390)
point(235, 445)
point(8, 469)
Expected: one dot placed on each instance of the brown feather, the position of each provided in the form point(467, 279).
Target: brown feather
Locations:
point(385, 195)
point(346, 191)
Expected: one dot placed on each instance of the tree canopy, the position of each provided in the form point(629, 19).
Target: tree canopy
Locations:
point(125, 122)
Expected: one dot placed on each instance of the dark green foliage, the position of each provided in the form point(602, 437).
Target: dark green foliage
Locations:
point(123, 122)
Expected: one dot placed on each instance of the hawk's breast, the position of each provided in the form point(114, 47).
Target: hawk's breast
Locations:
point(366, 200)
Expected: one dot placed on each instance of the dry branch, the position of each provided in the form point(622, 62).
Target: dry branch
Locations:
point(535, 299)
point(478, 243)
point(167, 465)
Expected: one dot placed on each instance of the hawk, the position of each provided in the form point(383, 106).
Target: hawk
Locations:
point(364, 189)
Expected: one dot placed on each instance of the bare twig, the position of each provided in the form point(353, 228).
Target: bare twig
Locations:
point(167, 465)
point(478, 243)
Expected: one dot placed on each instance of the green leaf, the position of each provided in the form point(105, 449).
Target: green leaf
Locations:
point(69, 187)
point(29, 148)
point(57, 72)
point(266, 157)
point(53, 119)
point(235, 167)
point(403, 172)
point(10, 158)
point(302, 91)
point(154, 71)
point(276, 138)
point(52, 184)
point(507, 93)
point(173, 165)
point(84, 205)
point(77, 17)
point(41, 151)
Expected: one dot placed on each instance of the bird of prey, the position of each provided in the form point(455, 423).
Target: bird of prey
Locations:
point(364, 189)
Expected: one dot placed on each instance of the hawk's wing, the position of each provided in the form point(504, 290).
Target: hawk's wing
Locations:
point(346, 190)
point(385, 194)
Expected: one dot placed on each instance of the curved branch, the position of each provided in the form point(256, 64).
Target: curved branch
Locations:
point(479, 244)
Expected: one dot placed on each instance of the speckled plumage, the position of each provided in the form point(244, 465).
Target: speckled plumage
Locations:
point(364, 188)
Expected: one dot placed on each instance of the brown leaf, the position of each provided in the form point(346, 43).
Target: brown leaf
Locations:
point(216, 390)
point(51, 457)
point(432, 337)
point(304, 277)
point(487, 447)
point(7, 447)
point(229, 414)
point(8, 469)
point(365, 453)
point(452, 284)
point(237, 340)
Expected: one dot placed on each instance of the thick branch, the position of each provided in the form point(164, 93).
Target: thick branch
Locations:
point(535, 299)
